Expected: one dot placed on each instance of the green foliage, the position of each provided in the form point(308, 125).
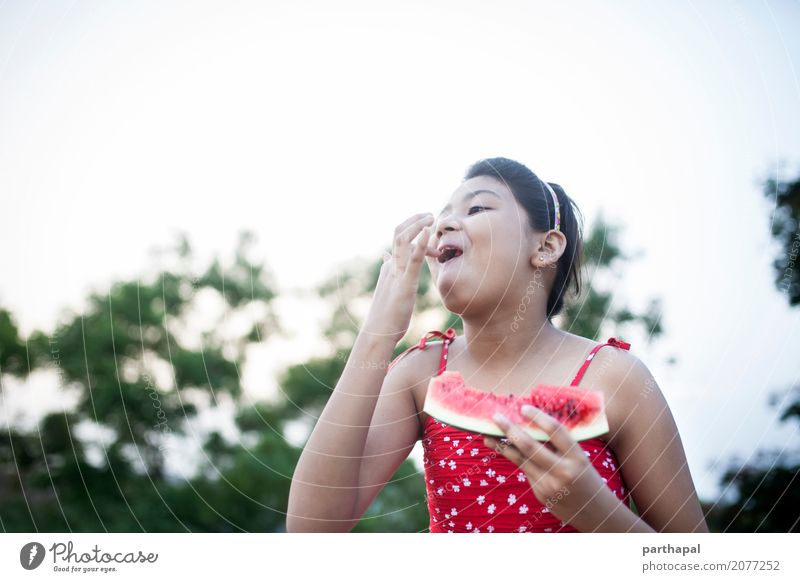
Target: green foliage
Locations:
point(141, 378)
point(785, 220)
point(143, 374)
point(762, 495)
point(13, 356)
point(595, 312)
point(242, 488)
point(308, 386)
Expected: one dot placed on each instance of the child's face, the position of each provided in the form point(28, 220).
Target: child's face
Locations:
point(498, 245)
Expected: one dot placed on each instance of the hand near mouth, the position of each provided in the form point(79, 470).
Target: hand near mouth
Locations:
point(432, 251)
point(398, 280)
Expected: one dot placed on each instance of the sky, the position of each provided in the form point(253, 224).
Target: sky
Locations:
point(321, 126)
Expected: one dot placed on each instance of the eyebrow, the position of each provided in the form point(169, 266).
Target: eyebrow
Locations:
point(469, 195)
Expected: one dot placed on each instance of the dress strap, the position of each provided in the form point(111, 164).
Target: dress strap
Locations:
point(612, 341)
point(447, 338)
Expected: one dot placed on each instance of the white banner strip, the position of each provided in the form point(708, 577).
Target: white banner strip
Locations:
point(370, 557)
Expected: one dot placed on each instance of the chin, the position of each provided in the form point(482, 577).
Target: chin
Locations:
point(457, 295)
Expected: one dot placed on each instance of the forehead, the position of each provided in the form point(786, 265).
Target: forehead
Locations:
point(478, 185)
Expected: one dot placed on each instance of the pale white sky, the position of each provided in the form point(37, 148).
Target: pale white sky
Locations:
point(321, 126)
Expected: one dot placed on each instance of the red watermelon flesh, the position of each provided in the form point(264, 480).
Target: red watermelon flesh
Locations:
point(451, 401)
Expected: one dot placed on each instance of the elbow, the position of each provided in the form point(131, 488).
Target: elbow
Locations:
point(307, 513)
point(295, 525)
point(311, 520)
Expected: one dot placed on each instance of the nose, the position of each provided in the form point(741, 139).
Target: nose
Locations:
point(446, 224)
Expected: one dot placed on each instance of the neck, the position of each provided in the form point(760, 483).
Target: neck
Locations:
point(504, 341)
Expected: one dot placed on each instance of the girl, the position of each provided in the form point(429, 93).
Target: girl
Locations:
point(503, 253)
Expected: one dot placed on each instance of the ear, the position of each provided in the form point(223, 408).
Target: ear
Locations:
point(550, 246)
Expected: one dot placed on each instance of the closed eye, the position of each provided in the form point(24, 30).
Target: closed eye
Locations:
point(471, 207)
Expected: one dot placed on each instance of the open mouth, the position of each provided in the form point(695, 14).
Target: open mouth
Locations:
point(449, 253)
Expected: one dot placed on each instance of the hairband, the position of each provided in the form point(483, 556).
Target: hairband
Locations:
point(557, 225)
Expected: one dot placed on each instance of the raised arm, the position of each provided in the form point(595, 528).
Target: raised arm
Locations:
point(324, 494)
point(363, 434)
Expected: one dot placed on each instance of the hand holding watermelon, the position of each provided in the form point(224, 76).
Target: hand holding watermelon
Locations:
point(559, 472)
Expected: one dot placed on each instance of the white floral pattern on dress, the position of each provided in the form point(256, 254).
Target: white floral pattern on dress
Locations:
point(451, 471)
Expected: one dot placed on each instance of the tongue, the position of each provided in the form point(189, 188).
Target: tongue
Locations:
point(456, 254)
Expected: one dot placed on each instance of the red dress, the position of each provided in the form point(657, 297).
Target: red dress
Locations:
point(472, 488)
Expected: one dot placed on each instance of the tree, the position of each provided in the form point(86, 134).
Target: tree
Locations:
point(142, 374)
point(13, 356)
point(593, 312)
point(143, 370)
point(785, 220)
point(762, 494)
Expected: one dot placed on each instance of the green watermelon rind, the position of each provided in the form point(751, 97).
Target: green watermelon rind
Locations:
point(596, 427)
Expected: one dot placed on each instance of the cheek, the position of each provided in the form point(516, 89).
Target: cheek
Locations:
point(503, 244)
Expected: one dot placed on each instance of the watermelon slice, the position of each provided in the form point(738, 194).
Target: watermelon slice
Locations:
point(450, 400)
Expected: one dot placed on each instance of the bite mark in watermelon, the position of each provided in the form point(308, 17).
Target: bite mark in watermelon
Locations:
point(451, 401)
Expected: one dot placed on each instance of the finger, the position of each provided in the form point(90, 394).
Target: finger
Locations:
point(409, 221)
point(430, 249)
point(558, 433)
point(526, 444)
point(514, 455)
point(417, 253)
point(432, 255)
point(404, 236)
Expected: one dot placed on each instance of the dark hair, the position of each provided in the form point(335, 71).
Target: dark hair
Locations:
point(535, 198)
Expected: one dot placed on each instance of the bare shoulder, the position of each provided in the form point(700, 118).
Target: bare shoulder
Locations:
point(415, 369)
point(627, 385)
point(617, 369)
point(418, 364)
